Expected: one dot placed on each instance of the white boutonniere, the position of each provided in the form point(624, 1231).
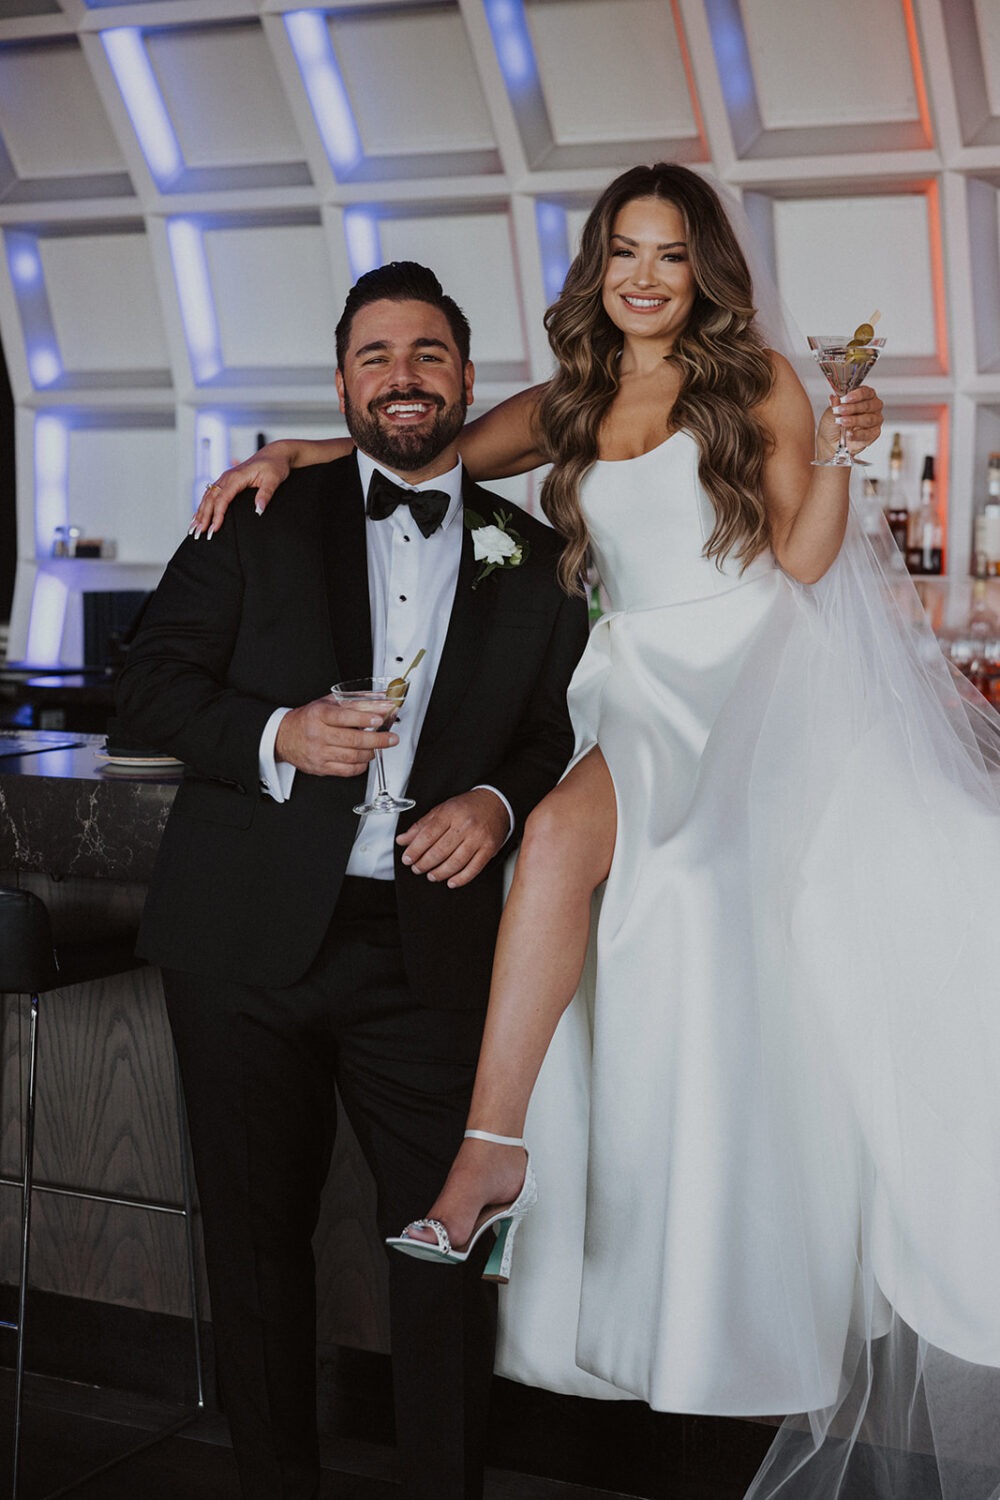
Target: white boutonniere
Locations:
point(498, 546)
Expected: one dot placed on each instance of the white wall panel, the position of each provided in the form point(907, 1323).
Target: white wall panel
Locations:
point(840, 258)
point(52, 120)
point(274, 295)
point(839, 62)
point(223, 96)
point(611, 70)
point(987, 14)
point(104, 301)
point(412, 82)
point(121, 485)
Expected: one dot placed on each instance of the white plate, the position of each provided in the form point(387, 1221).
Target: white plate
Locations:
point(135, 761)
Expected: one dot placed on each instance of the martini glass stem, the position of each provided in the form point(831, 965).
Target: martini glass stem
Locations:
point(842, 454)
point(383, 790)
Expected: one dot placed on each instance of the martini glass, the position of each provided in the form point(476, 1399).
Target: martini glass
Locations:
point(845, 365)
point(362, 692)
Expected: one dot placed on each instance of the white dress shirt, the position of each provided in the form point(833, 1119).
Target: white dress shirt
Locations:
point(411, 586)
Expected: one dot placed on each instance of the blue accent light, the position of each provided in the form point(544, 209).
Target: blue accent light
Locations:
point(553, 244)
point(144, 102)
point(51, 480)
point(45, 366)
point(731, 53)
point(24, 261)
point(364, 243)
point(512, 41)
point(28, 276)
point(321, 78)
point(194, 290)
point(49, 598)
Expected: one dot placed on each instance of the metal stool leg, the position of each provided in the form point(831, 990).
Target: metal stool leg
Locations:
point(188, 1202)
point(22, 1289)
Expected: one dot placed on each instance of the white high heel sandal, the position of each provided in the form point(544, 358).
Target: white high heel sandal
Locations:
point(506, 1222)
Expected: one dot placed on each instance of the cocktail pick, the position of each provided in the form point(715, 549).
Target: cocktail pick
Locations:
point(397, 687)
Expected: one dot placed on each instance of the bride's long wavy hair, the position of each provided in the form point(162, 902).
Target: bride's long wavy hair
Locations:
point(724, 368)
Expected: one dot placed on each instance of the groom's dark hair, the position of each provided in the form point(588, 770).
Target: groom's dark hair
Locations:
point(401, 281)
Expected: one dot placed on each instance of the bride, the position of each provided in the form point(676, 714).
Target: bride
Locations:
point(765, 1128)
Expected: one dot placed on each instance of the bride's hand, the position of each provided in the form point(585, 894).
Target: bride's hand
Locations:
point(858, 415)
point(269, 467)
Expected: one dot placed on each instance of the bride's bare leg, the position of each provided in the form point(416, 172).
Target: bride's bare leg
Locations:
point(566, 852)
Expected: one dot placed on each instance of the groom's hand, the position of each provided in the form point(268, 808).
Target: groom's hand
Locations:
point(458, 838)
point(327, 739)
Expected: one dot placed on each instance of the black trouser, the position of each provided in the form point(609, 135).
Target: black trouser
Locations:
point(259, 1068)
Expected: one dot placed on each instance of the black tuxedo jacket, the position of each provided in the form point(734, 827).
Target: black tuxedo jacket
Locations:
point(271, 612)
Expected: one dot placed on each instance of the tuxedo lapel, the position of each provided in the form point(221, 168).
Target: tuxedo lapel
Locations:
point(471, 617)
point(346, 564)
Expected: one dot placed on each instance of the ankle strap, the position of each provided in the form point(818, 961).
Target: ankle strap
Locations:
point(498, 1140)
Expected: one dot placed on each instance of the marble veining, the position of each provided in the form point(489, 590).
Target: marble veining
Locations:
point(62, 814)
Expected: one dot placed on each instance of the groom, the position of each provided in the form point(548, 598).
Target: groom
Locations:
point(304, 948)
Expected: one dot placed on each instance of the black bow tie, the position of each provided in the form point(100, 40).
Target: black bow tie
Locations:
point(428, 507)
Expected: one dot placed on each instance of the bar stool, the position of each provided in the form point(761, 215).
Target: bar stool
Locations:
point(32, 964)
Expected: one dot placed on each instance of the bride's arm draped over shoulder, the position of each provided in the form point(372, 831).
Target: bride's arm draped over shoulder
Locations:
point(807, 506)
point(506, 440)
point(503, 442)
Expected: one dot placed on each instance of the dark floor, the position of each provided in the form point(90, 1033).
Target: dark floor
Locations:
point(615, 1449)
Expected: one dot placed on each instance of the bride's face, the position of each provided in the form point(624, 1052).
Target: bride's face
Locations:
point(649, 288)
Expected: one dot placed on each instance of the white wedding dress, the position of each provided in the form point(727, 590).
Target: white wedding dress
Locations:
point(767, 1133)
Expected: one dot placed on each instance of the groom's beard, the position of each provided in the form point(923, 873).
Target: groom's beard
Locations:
point(404, 449)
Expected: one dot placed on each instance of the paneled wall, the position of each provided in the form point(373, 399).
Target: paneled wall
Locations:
point(188, 188)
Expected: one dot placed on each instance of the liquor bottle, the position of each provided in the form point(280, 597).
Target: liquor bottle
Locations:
point(986, 527)
point(925, 553)
point(870, 507)
point(983, 634)
point(897, 511)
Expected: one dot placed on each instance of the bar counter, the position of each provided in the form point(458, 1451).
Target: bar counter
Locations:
point(83, 835)
point(64, 811)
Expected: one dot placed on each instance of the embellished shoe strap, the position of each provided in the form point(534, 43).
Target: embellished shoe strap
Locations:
point(443, 1241)
point(498, 1140)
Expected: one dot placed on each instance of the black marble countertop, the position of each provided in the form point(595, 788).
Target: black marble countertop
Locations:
point(64, 811)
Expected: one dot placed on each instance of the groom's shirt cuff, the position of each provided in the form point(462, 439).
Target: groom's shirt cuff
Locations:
point(275, 777)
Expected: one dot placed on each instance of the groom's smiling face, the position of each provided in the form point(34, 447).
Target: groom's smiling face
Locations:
point(404, 388)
